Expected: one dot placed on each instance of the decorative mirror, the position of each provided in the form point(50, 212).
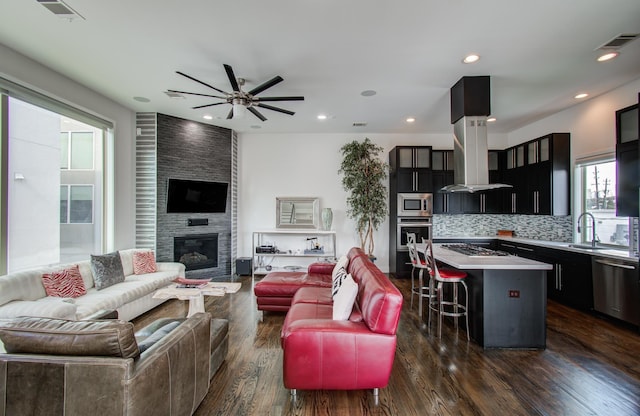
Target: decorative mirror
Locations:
point(297, 212)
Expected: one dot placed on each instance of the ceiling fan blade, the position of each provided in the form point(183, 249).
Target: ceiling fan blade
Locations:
point(232, 78)
point(270, 107)
point(264, 86)
point(206, 105)
point(197, 93)
point(230, 115)
point(298, 98)
point(257, 113)
point(200, 82)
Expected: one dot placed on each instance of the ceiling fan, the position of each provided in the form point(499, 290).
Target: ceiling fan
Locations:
point(242, 100)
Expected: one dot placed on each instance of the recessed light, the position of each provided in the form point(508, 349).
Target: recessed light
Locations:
point(469, 59)
point(608, 56)
point(368, 93)
point(142, 99)
point(322, 117)
point(491, 119)
point(207, 117)
point(581, 95)
point(410, 120)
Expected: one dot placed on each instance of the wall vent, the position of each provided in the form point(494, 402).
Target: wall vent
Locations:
point(360, 124)
point(60, 9)
point(619, 41)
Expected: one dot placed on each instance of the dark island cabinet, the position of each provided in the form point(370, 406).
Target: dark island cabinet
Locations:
point(627, 161)
point(410, 169)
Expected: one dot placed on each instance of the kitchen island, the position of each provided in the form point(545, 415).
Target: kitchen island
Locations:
point(507, 296)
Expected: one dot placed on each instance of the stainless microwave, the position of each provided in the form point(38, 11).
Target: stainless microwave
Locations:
point(415, 205)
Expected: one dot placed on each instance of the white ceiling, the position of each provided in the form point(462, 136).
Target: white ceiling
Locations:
point(539, 54)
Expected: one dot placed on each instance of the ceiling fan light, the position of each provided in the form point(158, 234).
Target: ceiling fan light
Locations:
point(239, 109)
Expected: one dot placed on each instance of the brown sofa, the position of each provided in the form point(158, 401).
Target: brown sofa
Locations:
point(59, 367)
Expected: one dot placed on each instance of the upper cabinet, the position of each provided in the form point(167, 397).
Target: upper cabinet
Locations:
point(410, 169)
point(539, 173)
point(627, 171)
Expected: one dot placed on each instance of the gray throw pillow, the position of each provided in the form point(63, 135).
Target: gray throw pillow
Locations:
point(107, 270)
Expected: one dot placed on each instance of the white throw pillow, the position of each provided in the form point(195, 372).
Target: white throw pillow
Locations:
point(344, 299)
point(337, 281)
point(343, 262)
point(338, 274)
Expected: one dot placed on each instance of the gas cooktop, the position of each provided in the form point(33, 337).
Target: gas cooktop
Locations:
point(474, 251)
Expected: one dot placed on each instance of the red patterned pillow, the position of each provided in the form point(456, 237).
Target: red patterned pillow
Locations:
point(144, 262)
point(66, 283)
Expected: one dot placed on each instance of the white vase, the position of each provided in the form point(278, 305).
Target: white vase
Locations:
point(327, 218)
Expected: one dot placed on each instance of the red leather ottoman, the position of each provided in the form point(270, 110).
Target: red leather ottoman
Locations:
point(276, 290)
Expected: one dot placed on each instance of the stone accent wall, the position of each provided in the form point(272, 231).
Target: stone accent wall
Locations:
point(195, 151)
point(540, 227)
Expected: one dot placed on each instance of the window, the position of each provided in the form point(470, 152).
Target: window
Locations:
point(76, 150)
point(596, 180)
point(76, 204)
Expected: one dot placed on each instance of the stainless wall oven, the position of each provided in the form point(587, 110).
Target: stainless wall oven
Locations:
point(421, 227)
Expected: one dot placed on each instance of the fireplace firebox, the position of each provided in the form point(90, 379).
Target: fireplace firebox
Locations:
point(196, 251)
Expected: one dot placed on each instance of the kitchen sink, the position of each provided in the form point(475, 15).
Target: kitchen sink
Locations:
point(587, 246)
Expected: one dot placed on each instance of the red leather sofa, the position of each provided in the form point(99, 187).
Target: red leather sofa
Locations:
point(322, 353)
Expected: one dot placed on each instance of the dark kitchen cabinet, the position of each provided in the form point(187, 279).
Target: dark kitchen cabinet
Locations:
point(569, 282)
point(410, 169)
point(442, 175)
point(539, 173)
point(489, 201)
point(627, 160)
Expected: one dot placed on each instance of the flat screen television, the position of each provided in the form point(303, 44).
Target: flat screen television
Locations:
point(189, 196)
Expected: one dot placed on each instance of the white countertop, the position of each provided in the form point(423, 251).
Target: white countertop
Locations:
point(610, 253)
point(464, 262)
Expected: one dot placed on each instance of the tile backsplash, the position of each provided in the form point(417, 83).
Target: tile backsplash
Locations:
point(539, 227)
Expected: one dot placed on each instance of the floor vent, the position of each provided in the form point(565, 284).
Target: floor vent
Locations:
point(619, 41)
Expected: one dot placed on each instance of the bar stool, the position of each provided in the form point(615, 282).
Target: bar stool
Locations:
point(418, 262)
point(443, 276)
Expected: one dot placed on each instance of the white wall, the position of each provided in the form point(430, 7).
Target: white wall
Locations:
point(20, 69)
point(592, 124)
point(306, 165)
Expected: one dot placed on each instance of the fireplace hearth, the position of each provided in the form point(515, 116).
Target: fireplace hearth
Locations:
point(196, 251)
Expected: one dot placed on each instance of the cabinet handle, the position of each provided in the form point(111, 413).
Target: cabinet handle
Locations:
point(555, 270)
point(524, 248)
point(622, 266)
point(560, 277)
point(508, 245)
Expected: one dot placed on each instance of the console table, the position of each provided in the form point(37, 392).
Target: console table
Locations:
point(290, 245)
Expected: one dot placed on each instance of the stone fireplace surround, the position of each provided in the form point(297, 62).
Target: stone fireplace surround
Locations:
point(191, 150)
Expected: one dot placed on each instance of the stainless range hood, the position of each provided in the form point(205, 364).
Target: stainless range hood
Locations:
point(470, 106)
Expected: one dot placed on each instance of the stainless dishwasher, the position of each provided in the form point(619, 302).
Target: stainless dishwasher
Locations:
point(616, 288)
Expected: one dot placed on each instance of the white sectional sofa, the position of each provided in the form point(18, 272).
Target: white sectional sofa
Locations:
point(23, 294)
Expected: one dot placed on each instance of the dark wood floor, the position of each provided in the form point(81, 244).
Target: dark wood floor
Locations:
point(591, 367)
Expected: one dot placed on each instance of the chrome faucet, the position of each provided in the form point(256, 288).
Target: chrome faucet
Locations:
point(594, 237)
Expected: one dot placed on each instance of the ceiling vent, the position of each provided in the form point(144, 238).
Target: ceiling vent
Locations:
point(60, 9)
point(619, 41)
point(360, 124)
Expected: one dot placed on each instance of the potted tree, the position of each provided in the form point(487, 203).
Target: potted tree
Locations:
point(364, 175)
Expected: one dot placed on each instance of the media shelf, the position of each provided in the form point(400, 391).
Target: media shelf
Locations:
point(290, 246)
